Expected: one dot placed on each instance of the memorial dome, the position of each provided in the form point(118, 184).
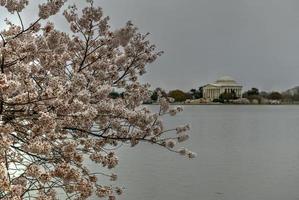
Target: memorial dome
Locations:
point(226, 80)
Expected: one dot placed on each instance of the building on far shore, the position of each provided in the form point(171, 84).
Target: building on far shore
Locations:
point(225, 84)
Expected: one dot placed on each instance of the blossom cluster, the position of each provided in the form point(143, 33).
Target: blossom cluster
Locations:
point(13, 5)
point(50, 8)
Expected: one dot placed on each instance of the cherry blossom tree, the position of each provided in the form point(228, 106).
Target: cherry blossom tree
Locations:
point(55, 104)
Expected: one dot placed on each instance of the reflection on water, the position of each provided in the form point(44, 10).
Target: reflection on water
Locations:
point(244, 153)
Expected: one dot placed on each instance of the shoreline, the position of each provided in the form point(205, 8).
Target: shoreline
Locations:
point(223, 104)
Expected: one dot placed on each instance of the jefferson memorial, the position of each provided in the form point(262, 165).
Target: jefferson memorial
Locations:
point(225, 84)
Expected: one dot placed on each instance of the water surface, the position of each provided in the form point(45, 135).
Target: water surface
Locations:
point(244, 153)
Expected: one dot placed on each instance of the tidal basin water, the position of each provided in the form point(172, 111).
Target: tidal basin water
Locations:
point(244, 153)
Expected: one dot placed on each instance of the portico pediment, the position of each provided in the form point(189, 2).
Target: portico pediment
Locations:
point(212, 86)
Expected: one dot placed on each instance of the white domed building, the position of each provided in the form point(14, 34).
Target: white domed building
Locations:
point(225, 84)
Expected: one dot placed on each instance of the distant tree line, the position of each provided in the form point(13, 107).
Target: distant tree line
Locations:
point(253, 95)
point(178, 95)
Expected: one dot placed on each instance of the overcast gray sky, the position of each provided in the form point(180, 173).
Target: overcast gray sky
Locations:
point(254, 41)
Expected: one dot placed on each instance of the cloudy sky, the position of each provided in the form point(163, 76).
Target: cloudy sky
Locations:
point(254, 41)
